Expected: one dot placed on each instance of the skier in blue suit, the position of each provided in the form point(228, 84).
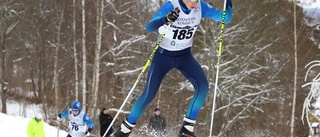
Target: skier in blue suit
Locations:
point(182, 17)
point(79, 124)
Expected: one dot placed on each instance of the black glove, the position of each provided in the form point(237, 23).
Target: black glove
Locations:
point(59, 117)
point(173, 15)
point(88, 131)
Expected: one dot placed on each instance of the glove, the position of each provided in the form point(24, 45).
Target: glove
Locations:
point(88, 131)
point(59, 117)
point(172, 16)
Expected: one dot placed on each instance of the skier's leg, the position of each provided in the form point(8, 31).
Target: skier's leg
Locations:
point(191, 69)
point(159, 67)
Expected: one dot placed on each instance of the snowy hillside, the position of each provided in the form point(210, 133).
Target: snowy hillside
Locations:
point(311, 8)
point(14, 125)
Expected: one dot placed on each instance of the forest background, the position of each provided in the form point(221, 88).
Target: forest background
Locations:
point(57, 51)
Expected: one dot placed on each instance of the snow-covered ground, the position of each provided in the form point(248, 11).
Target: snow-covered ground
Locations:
point(14, 125)
point(311, 9)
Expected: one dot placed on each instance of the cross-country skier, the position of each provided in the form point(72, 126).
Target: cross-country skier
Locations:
point(80, 125)
point(182, 17)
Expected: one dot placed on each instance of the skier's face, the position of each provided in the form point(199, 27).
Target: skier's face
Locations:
point(39, 119)
point(191, 4)
point(75, 112)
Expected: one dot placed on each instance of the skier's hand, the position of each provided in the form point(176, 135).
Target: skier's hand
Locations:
point(88, 131)
point(59, 117)
point(172, 16)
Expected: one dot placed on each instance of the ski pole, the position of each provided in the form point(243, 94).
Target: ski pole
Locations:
point(218, 63)
point(136, 82)
point(58, 128)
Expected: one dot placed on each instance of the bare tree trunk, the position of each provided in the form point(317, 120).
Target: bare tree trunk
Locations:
point(84, 58)
point(295, 71)
point(41, 67)
point(2, 73)
point(3, 57)
point(56, 58)
point(75, 52)
point(96, 70)
point(2, 42)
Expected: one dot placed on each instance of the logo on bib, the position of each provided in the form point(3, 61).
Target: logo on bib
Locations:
point(173, 43)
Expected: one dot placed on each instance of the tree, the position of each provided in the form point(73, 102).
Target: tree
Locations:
point(295, 70)
point(56, 58)
point(42, 57)
point(310, 103)
point(76, 76)
point(96, 63)
point(8, 23)
point(84, 56)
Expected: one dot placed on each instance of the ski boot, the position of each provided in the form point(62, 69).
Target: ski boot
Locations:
point(187, 128)
point(124, 130)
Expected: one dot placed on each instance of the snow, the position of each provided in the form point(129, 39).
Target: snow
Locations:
point(312, 101)
point(311, 8)
point(14, 125)
point(315, 124)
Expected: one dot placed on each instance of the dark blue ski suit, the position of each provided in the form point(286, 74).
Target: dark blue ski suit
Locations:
point(166, 58)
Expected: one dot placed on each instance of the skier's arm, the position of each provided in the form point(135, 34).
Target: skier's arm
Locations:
point(89, 122)
point(64, 114)
point(159, 18)
point(209, 12)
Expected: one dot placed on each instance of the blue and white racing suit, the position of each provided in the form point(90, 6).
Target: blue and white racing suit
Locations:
point(174, 52)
